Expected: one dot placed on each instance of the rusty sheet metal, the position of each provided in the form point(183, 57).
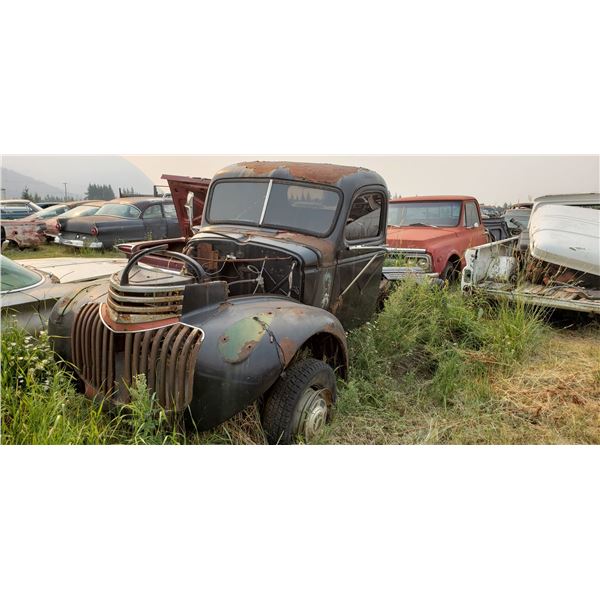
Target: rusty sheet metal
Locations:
point(327, 174)
point(25, 234)
point(167, 356)
point(180, 188)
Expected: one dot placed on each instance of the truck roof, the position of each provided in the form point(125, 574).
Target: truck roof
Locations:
point(320, 173)
point(430, 198)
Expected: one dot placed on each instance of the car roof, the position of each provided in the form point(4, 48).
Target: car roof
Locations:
point(430, 198)
point(319, 173)
point(140, 202)
point(16, 201)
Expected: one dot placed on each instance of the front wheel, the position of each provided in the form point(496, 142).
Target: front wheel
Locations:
point(451, 272)
point(301, 402)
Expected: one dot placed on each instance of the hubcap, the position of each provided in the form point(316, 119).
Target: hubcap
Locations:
point(311, 413)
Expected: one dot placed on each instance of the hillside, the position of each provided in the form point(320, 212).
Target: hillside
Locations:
point(13, 183)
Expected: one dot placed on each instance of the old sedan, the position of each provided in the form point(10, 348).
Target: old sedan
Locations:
point(30, 231)
point(126, 220)
point(15, 209)
point(86, 209)
point(30, 288)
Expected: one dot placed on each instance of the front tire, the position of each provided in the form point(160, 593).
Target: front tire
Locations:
point(301, 402)
point(451, 272)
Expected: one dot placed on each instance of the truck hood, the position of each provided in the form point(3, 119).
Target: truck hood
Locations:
point(418, 237)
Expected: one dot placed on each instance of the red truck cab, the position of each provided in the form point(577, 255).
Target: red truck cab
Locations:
point(436, 231)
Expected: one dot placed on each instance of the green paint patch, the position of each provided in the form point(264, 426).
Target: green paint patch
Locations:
point(240, 339)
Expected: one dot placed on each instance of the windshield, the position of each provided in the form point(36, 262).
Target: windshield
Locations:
point(47, 213)
point(270, 204)
point(437, 213)
point(81, 211)
point(15, 277)
point(126, 211)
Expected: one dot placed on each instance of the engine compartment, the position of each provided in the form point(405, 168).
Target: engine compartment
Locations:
point(248, 268)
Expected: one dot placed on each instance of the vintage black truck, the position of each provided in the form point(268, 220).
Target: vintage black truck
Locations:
point(255, 305)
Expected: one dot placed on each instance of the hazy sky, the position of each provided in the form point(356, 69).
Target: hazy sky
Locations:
point(492, 179)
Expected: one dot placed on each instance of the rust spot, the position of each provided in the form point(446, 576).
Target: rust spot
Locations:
point(313, 172)
point(289, 348)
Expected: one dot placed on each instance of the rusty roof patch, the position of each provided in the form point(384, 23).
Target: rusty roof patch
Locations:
point(327, 174)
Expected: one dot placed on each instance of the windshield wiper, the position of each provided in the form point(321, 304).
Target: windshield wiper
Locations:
point(423, 225)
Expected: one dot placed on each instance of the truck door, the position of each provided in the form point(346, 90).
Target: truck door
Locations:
point(474, 225)
point(154, 221)
point(358, 272)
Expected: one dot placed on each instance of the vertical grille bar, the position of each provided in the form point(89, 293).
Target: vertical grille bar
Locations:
point(166, 356)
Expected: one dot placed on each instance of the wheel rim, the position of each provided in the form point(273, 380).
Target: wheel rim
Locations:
point(311, 413)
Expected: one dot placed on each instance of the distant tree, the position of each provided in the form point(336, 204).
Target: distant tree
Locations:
point(99, 192)
point(127, 192)
point(25, 195)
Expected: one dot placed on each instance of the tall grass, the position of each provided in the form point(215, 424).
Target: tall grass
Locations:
point(425, 370)
point(39, 403)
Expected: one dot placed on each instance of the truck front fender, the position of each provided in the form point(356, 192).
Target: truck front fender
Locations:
point(248, 343)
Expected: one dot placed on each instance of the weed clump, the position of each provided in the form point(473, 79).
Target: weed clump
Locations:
point(445, 340)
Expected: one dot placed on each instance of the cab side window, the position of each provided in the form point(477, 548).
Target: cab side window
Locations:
point(153, 212)
point(364, 219)
point(471, 215)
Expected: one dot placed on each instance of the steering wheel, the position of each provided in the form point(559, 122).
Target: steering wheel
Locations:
point(197, 271)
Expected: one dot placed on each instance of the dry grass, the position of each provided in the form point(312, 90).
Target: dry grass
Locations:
point(552, 397)
point(433, 368)
point(556, 395)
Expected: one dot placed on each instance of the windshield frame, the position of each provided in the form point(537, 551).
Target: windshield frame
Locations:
point(459, 221)
point(270, 181)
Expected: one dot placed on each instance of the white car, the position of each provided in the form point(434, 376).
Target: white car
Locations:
point(30, 288)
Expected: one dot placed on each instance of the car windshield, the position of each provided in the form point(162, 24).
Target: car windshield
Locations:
point(47, 213)
point(270, 204)
point(437, 213)
point(125, 211)
point(81, 211)
point(15, 277)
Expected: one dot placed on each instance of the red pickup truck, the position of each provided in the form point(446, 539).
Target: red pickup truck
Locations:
point(435, 231)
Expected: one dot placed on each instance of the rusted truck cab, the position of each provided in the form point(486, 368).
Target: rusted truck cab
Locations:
point(255, 306)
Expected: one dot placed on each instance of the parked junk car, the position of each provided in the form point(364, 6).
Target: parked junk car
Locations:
point(288, 256)
point(31, 231)
point(15, 209)
point(82, 209)
point(30, 288)
point(189, 196)
point(489, 212)
point(433, 232)
point(517, 218)
point(121, 221)
point(496, 229)
point(558, 267)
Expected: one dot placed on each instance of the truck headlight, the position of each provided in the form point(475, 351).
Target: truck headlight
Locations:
point(423, 261)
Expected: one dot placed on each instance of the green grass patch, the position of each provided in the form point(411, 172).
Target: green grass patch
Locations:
point(52, 250)
point(434, 366)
